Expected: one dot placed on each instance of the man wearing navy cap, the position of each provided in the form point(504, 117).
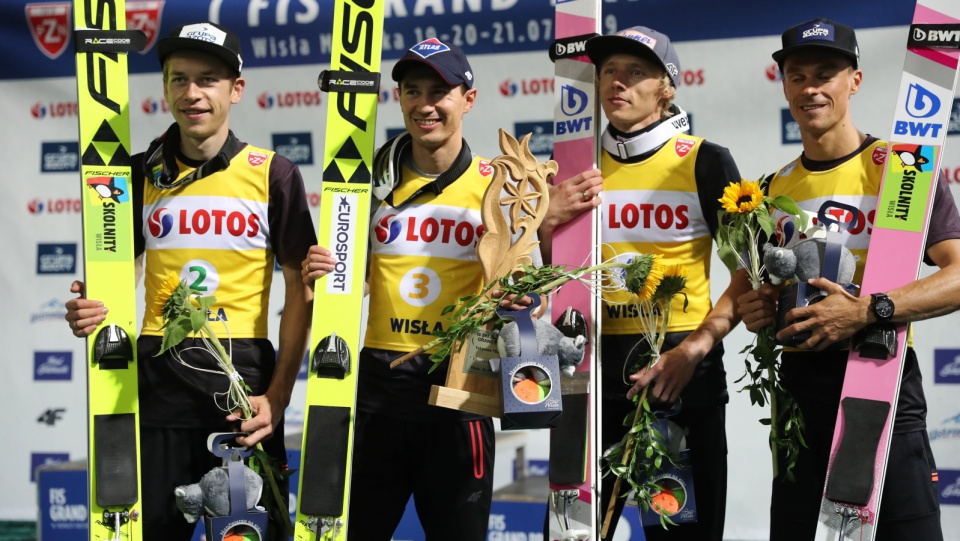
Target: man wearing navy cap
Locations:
point(840, 165)
point(403, 445)
point(649, 161)
point(196, 171)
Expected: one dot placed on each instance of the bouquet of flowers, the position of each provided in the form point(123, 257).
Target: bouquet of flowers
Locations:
point(185, 315)
point(643, 451)
point(745, 220)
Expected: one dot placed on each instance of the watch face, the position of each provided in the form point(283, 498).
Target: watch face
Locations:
point(883, 307)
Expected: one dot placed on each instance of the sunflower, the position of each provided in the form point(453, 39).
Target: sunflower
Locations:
point(644, 275)
point(167, 289)
point(742, 198)
point(673, 281)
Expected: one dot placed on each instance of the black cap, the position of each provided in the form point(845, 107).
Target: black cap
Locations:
point(822, 33)
point(209, 38)
point(638, 41)
point(446, 59)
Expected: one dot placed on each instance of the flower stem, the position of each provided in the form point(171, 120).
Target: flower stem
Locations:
point(248, 413)
point(774, 438)
point(624, 460)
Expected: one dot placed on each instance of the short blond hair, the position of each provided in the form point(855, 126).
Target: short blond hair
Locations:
point(668, 93)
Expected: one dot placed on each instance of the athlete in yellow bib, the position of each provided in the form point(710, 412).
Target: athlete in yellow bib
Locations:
point(422, 259)
point(661, 188)
point(217, 213)
point(839, 170)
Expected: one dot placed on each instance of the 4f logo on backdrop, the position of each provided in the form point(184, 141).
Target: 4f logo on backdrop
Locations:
point(49, 26)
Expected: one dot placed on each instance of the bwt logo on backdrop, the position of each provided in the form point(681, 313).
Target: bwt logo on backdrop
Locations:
point(57, 258)
point(946, 364)
point(59, 157)
point(297, 147)
point(52, 365)
point(541, 136)
point(38, 460)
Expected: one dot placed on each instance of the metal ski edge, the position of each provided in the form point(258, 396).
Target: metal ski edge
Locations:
point(338, 297)
point(924, 68)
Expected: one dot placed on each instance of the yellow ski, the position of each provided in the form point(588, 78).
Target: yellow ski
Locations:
point(353, 83)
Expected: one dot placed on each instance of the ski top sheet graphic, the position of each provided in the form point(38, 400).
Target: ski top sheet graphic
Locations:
point(101, 43)
point(353, 81)
point(861, 441)
point(574, 498)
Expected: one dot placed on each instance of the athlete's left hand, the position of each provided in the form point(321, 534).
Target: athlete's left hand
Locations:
point(261, 426)
point(835, 317)
point(512, 302)
point(668, 377)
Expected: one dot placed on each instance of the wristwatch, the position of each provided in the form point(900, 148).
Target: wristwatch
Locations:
point(881, 306)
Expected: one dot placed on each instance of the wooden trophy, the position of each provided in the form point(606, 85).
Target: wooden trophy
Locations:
point(520, 184)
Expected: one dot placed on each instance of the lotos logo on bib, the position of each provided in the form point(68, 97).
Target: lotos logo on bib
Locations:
point(387, 229)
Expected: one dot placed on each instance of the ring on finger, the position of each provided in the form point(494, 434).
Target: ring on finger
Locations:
point(586, 195)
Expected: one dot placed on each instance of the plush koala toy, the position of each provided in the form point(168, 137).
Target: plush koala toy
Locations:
point(550, 341)
point(804, 260)
point(211, 495)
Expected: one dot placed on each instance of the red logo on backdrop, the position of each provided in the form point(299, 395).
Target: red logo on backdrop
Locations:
point(773, 73)
point(49, 25)
point(484, 168)
point(256, 158)
point(683, 146)
point(879, 155)
point(144, 15)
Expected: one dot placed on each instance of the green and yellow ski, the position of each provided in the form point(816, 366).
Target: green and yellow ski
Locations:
point(101, 43)
point(353, 83)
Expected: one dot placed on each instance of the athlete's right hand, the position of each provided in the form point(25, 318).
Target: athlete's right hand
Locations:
point(571, 198)
point(758, 308)
point(319, 262)
point(83, 315)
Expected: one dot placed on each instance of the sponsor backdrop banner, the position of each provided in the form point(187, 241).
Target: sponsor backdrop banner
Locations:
point(731, 88)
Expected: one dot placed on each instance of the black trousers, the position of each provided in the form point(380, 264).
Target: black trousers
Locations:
point(707, 441)
point(447, 466)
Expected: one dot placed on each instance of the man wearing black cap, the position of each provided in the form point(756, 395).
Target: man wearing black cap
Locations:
point(673, 181)
point(215, 212)
point(426, 181)
point(840, 165)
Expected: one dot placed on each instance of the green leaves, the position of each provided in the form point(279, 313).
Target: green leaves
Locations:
point(786, 434)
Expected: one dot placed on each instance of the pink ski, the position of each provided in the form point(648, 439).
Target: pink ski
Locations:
point(572, 508)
